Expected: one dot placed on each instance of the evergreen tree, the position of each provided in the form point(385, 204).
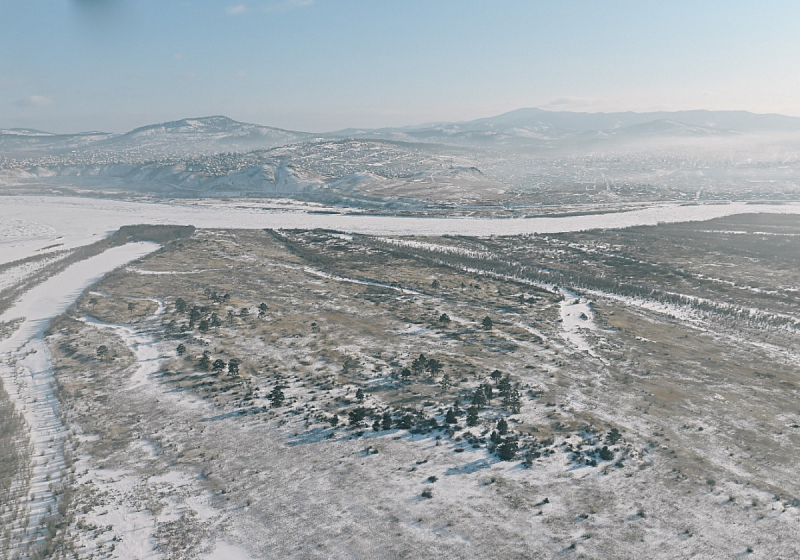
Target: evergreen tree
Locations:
point(497, 375)
point(418, 365)
point(277, 397)
point(450, 417)
point(360, 394)
point(433, 366)
point(181, 349)
point(180, 305)
point(479, 397)
point(219, 365)
point(508, 449)
point(606, 454)
point(215, 320)
point(613, 436)
point(387, 421)
point(446, 382)
point(357, 415)
point(406, 422)
point(504, 386)
point(487, 323)
point(472, 416)
point(376, 425)
point(513, 402)
point(502, 427)
point(205, 360)
point(444, 318)
point(233, 367)
point(194, 316)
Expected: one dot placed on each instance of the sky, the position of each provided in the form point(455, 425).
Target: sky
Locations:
point(321, 65)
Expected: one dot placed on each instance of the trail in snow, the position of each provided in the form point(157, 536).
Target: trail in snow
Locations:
point(27, 374)
point(577, 315)
point(134, 526)
point(141, 344)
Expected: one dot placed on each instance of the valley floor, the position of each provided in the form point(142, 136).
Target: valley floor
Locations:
point(311, 394)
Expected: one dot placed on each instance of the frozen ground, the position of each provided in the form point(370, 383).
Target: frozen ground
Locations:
point(679, 336)
point(201, 460)
point(52, 223)
point(28, 378)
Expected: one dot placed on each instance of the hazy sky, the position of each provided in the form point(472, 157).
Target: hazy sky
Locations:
point(69, 65)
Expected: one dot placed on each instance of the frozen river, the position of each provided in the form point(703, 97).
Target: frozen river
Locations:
point(29, 225)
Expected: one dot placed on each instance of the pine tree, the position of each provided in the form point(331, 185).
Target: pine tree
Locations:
point(450, 417)
point(357, 415)
point(513, 402)
point(508, 449)
point(504, 387)
point(360, 394)
point(387, 421)
point(433, 366)
point(418, 365)
point(277, 397)
point(479, 397)
point(502, 427)
point(472, 416)
point(205, 360)
point(215, 321)
point(219, 365)
point(180, 305)
point(497, 375)
point(194, 316)
point(181, 349)
point(406, 422)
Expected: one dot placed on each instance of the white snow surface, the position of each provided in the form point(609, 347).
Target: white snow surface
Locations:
point(576, 315)
point(80, 221)
point(224, 551)
point(26, 370)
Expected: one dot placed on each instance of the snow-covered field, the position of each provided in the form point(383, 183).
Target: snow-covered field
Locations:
point(33, 224)
point(26, 371)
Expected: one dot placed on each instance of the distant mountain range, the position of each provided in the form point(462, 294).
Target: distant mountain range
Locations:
point(521, 128)
point(534, 127)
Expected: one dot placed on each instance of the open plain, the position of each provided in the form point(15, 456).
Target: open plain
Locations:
point(314, 394)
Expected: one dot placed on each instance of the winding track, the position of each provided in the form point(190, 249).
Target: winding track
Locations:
point(27, 375)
